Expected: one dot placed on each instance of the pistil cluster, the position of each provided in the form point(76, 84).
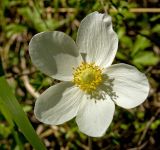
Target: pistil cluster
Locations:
point(87, 77)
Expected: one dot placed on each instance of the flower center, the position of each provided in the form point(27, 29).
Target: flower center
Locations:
point(87, 77)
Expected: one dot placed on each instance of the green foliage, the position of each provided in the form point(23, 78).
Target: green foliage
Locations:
point(5, 131)
point(13, 110)
point(140, 56)
point(145, 59)
point(140, 44)
point(155, 124)
point(13, 29)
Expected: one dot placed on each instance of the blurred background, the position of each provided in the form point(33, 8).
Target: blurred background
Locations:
point(137, 23)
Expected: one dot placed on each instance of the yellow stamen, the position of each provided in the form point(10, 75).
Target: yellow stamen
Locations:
point(87, 77)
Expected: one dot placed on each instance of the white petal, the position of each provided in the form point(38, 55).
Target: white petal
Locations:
point(94, 118)
point(55, 54)
point(130, 85)
point(97, 39)
point(58, 104)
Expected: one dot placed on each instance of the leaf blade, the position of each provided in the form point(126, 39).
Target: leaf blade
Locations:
point(18, 115)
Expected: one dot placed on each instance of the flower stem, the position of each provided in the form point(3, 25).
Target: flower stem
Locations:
point(90, 143)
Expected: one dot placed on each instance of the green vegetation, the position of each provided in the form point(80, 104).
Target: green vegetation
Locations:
point(139, 34)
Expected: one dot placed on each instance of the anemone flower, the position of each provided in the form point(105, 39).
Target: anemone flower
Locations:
point(91, 85)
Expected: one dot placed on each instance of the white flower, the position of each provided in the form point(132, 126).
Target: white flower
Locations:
point(92, 86)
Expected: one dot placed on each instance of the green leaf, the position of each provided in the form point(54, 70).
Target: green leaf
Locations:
point(155, 124)
point(156, 28)
point(126, 42)
point(140, 44)
point(13, 29)
point(146, 58)
point(17, 114)
point(155, 18)
point(5, 131)
point(121, 32)
point(121, 56)
point(33, 18)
